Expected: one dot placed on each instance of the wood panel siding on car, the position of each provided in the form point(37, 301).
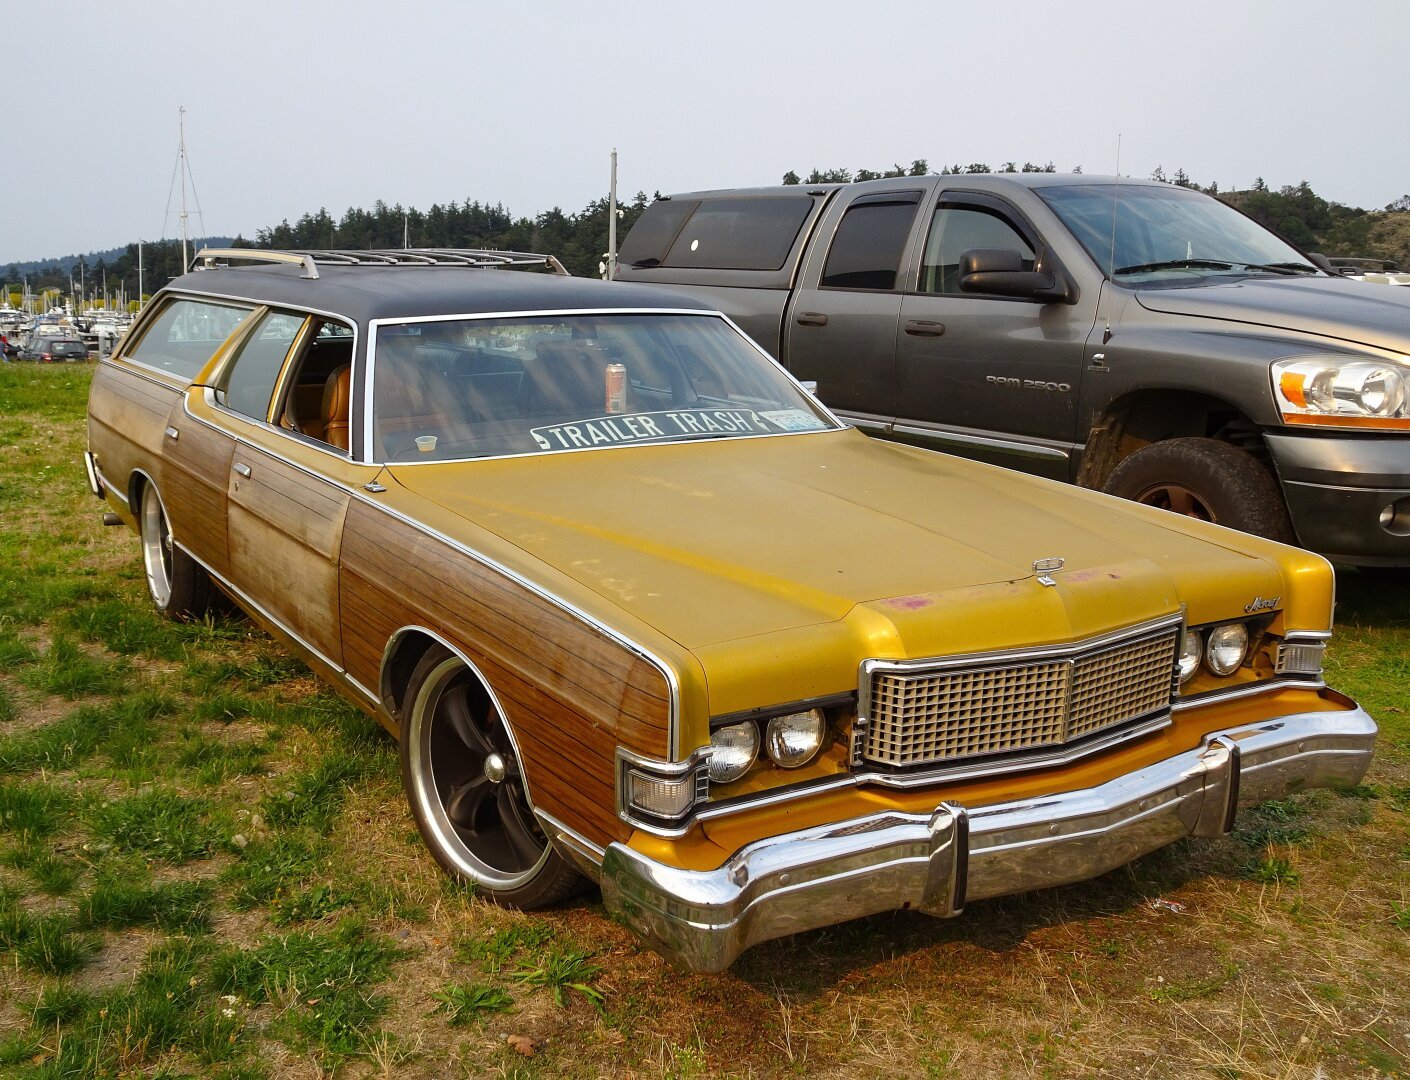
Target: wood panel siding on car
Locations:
point(196, 465)
point(285, 529)
point(571, 694)
point(126, 415)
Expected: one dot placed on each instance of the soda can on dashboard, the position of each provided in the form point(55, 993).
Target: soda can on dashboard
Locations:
point(616, 378)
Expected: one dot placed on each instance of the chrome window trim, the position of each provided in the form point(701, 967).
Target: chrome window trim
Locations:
point(369, 378)
point(133, 338)
point(209, 398)
point(175, 383)
point(612, 634)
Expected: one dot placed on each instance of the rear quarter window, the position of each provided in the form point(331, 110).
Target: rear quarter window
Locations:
point(185, 334)
point(739, 234)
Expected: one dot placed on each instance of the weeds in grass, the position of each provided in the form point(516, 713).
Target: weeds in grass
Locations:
point(125, 628)
point(64, 743)
point(69, 672)
point(1274, 870)
point(270, 869)
point(564, 969)
point(32, 810)
point(1283, 821)
point(8, 709)
point(120, 898)
point(218, 760)
point(324, 979)
point(1400, 915)
point(464, 1002)
point(1193, 989)
point(51, 947)
point(53, 873)
point(160, 824)
point(313, 799)
point(493, 952)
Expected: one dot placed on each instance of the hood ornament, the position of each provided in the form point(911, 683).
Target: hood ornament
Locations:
point(1046, 568)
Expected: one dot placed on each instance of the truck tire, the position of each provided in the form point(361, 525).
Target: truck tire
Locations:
point(468, 798)
point(1208, 480)
point(180, 589)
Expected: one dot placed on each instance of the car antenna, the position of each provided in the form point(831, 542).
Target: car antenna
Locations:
point(1115, 200)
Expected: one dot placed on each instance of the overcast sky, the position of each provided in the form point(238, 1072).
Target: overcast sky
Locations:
point(300, 104)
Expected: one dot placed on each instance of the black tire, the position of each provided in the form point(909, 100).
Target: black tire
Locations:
point(180, 589)
point(461, 772)
point(1205, 479)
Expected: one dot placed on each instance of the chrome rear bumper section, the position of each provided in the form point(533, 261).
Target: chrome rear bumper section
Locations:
point(702, 920)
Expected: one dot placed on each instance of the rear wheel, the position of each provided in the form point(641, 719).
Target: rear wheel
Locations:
point(1208, 480)
point(178, 586)
point(466, 790)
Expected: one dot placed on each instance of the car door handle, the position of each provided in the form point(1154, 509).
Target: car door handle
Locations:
point(924, 328)
point(243, 469)
point(172, 434)
point(812, 318)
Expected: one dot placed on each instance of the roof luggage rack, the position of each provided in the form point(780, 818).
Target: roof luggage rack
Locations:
point(309, 259)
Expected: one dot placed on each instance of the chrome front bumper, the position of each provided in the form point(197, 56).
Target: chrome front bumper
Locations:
point(937, 862)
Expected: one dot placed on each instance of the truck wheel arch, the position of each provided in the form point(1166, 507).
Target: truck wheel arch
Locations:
point(1145, 416)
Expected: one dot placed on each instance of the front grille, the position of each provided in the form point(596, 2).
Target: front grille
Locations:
point(928, 713)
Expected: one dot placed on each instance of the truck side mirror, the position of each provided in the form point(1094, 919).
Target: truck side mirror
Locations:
point(1000, 272)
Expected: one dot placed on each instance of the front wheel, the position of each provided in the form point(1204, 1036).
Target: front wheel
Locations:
point(466, 790)
point(180, 589)
point(1208, 480)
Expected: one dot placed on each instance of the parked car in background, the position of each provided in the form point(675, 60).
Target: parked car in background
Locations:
point(1132, 336)
point(639, 608)
point(53, 350)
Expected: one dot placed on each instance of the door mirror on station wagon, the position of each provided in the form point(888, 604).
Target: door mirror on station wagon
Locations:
point(996, 272)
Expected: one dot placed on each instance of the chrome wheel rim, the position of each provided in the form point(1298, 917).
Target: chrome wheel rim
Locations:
point(1178, 499)
point(156, 547)
point(466, 781)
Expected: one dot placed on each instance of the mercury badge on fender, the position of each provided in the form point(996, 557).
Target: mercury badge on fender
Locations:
point(638, 607)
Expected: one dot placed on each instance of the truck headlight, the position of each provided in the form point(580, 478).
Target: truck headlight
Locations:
point(795, 739)
point(1334, 392)
point(732, 750)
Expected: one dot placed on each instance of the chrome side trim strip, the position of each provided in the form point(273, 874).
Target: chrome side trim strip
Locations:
point(955, 438)
point(586, 855)
point(1213, 697)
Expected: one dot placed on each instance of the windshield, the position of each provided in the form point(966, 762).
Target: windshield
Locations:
point(460, 388)
point(1168, 234)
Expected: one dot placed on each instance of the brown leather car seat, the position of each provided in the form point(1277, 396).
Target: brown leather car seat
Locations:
point(337, 400)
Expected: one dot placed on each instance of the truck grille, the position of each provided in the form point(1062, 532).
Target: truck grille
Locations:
point(929, 713)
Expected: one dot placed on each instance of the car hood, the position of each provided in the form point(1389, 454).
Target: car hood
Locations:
point(731, 539)
point(1331, 307)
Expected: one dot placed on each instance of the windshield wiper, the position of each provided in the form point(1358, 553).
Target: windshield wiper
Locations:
point(1177, 264)
point(1284, 267)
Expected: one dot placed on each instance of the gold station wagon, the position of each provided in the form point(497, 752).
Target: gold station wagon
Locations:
point(638, 607)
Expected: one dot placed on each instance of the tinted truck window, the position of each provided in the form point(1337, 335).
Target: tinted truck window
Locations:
point(739, 234)
point(871, 238)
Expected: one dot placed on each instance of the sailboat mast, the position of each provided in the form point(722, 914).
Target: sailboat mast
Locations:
point(181, 167)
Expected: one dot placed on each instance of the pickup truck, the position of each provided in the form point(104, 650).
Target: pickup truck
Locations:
point(1131, 336)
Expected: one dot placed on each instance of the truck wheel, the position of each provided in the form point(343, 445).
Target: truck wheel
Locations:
point(180, 589)
point(467, 795)
point(1205, 479)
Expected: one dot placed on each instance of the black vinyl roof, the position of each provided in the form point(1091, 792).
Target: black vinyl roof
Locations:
point(364, 293)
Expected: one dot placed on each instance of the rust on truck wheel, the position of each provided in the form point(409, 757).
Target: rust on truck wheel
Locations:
point(1208, 480)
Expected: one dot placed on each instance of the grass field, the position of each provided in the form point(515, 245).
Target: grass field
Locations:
point(207, 869)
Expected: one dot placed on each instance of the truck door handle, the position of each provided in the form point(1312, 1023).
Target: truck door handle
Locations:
point(812, 318)
point(924, 328)
point(243, 470)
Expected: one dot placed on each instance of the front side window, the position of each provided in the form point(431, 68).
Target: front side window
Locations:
point(469, 388)
point(185, 334)
point(870, 241)
point(957, 229)
point(248, 382)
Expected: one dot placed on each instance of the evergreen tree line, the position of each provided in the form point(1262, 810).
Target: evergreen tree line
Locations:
point(579, 239)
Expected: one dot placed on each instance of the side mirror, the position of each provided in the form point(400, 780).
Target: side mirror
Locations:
point(998, 272)
point(1321, 262)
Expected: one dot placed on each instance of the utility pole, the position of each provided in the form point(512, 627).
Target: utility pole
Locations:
point(612, 222)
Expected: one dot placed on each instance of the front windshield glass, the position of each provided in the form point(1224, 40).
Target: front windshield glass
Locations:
point(1139, 234)
point(462, 388)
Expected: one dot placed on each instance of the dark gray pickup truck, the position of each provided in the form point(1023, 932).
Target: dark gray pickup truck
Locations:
point(1127, 335)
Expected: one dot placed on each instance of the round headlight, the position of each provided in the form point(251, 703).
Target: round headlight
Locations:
point(1226, 648)
point(1191, 652)
point(795, 739)
point(732, 750)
